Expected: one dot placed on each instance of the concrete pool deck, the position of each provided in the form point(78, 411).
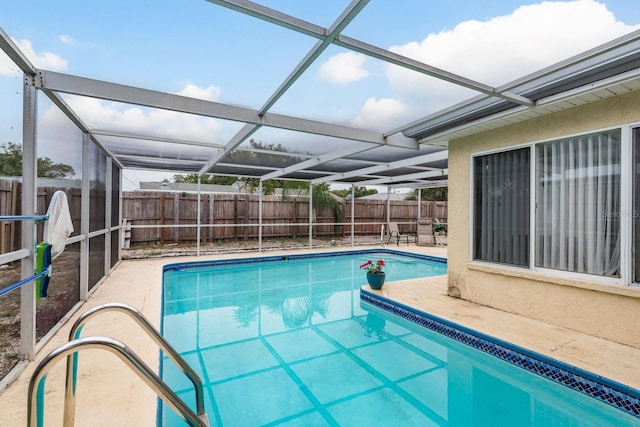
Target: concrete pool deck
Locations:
point(109, 394)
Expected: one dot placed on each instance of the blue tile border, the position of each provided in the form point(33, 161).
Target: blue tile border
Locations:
point(603, 389)
point(272, 258)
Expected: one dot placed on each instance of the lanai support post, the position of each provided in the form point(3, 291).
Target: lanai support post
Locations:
point(107, 216)
point(260, 217)
point(388, 206)
point(353, 214)
point(310, 216)
point(28, 230)
point(199, 213)
point(85, 208)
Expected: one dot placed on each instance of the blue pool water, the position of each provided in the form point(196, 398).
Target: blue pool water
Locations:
point(289, 343)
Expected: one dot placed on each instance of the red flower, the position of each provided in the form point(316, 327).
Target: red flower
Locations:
point(368, 263)
point(373, 268)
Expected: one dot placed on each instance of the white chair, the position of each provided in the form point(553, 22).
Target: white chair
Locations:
point(395, 233)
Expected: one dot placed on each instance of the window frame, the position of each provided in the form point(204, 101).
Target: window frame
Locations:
point(626, 203)
point(472, 198)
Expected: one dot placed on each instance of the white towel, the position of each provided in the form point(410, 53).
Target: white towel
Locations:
point(59, 225)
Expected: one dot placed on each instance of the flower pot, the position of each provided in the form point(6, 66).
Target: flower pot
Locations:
point(376, 280)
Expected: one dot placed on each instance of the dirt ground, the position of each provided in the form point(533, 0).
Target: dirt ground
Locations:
point(64, 292)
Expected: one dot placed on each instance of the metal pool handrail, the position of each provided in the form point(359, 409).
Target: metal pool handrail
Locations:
point(128, 357)
point(136, 315)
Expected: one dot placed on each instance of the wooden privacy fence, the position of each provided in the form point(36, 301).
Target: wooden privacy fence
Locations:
point(11, 205)
point(170, 217)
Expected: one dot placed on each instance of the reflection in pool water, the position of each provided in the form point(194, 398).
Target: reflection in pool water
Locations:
point(290, 343)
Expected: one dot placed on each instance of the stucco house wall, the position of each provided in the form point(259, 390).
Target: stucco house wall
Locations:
point(590, 306)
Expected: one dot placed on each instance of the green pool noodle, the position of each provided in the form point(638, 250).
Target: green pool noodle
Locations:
point(43, 263)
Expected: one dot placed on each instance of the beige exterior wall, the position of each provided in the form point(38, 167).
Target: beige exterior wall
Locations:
point(607, 311)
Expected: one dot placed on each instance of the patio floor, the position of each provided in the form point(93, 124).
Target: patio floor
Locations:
point(108, 394)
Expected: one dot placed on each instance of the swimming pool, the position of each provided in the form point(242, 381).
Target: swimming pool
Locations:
point(289, 342)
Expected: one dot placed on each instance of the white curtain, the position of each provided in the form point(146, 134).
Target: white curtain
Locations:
point(578, 204)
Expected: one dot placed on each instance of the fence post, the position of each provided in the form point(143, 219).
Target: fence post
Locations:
point(246, 217)
point(176, 217)
point(211, 217)
point(15, 189)
point(235, 217)
point(295, 217)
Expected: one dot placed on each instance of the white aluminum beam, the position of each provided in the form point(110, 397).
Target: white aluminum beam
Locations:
point(236, 165)
point(83, 86)
point(292, 23)
point(340, 24)
point(237, 139)
point(423, 184)
point(422, 68)
point(15, 54)
point(333, 155)
point(412, 161)
point(127, 135)
point(149, 157)
point(271, 15)
point(408, 177)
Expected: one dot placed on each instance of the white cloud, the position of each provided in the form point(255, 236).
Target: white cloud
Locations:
point(210, 93)
point(510, 46)
point(99, 114)
point(45, 60)
point(107, 115)
point(56, 130)
point(500, 50)
point(344, 68)
point(66, 39)
point(380, 113)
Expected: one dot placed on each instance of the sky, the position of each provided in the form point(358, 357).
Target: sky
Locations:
point(198, 49)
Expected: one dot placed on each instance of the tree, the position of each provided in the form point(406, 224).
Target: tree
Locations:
point(259, 155)
point(48, 169)
point(192, 178)
point(11, 160)
point(11, 163)
point(323, 199)
point(358, 192)
point(439, 194)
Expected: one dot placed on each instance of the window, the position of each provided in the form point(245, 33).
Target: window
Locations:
point(578, 212)
point(501, 207)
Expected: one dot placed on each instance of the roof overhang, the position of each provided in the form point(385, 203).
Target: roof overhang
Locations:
point(607, 71)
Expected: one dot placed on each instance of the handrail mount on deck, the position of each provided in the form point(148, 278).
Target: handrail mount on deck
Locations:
point(136, 315)
point(128, 357)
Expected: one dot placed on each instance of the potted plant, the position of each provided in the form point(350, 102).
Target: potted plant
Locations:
point(440, 233)
point(375, 275)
